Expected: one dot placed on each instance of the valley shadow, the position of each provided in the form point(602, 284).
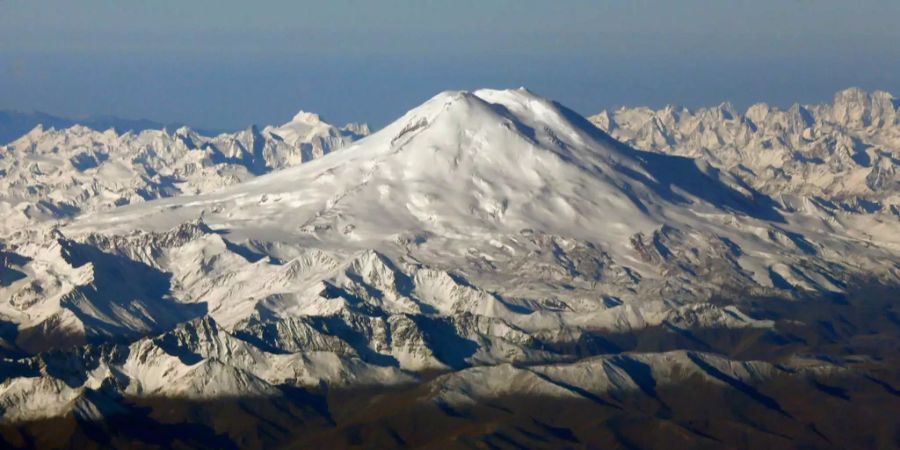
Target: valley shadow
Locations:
point(109, 420)
point(57, 209)
point(642, 375)
point(737, 384)
point(84, 161)
point(126, 290)
point(173, 346)
point(244, 252)
point(73, 367)
point(253, 158)
point(9, 274)
point(447, 345)
point(576, 390)
point(14, 368)
point(670, 172)
point(358, 341)
point(137, 426)
point(863, 321)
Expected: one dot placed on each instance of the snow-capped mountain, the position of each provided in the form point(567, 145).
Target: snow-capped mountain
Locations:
point(494, 237)
point(50, 174)
point(840, 156)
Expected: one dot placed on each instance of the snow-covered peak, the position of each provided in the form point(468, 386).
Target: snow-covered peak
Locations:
point(306, 117)
point(309, 128)
point(855, 107)
point(493, 116)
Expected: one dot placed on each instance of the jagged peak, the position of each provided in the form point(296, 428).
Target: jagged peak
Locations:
point(81, 129)
point(206, 325)
point(37, 130)
point(368, 262)
point(852, 92)
point(728, 108)
point(859, 95)
point(306, 117)
point(359, 129)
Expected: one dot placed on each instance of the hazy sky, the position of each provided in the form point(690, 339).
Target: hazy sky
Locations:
point(230, 63)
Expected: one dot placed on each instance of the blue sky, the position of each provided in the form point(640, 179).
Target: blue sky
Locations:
point(227, 64)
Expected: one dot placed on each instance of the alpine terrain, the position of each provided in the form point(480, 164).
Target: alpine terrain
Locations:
point(490, 270)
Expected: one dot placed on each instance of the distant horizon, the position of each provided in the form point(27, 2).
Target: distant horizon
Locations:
point(163, 123)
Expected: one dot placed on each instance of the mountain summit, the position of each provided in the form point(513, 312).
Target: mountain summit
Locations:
point(467, 165)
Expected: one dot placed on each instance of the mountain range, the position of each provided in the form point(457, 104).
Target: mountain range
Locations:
point(14, 124)
point(842, 154)
point(53, 174)
point(490, 269)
